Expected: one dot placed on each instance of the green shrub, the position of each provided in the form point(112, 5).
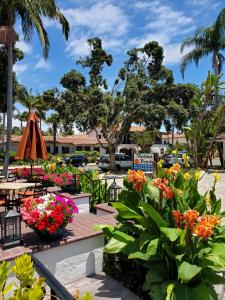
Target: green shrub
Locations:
point(29, 287)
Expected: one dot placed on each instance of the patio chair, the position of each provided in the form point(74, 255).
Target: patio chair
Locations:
point(11, 177)
point(22, 197)
point(3, 201)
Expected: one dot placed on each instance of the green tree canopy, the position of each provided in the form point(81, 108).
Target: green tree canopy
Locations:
point(139, 93)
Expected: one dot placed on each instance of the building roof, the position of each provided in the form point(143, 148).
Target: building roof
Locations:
point(75, 140)
point(169, 135)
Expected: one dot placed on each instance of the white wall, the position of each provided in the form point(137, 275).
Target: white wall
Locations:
point(75, 260)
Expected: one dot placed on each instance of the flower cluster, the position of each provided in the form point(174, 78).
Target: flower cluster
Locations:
point(161, 184)
point(26, 172)
point(48, 213)
point(200, 226)
point(174, 169)
point(61, 179)
point(138, 178)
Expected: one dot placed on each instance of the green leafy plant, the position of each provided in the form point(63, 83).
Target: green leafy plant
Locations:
point(166, 226)
point(27, 286)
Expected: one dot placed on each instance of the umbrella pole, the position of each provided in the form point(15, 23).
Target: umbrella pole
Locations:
point(31, 167)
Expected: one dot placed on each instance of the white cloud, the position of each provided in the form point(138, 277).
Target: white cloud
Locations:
point(100, 18)
point(166, 25)
point(24, 47)
point(20, 68)
point(43, 64)
point(103, 19)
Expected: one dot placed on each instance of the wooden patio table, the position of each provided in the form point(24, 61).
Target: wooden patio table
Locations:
point(15, 186)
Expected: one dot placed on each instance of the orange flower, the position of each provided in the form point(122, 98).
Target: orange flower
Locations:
point(212, 220)
point(178, 217)
point(167, 193)
point(174, 169)
point(203, 230)
point(160, 183)
point(138, 178)
point(190, 217)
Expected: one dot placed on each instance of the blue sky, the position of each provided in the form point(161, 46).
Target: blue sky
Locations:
point(122, 25)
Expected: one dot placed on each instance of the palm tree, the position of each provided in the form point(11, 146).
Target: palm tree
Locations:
point(206, 41)
point(55, 120)
point(22, 117)
point(29, 12)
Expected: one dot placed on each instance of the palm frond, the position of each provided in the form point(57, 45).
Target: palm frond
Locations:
point(193, 56)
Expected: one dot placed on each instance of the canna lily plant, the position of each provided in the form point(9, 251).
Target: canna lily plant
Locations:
point(177, 234)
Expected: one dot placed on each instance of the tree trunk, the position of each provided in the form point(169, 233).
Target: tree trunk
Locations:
point(9, 105)
point(220, 151)
point(173, 134)
point(3, 131)
point(216, 72)
point(112, 159)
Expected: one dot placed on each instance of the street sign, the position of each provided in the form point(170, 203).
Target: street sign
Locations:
point(143, 161)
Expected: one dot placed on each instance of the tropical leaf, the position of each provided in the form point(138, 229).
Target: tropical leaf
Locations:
point(187, 272)
point(154, 215)
point(171, 233)
point(114, 246)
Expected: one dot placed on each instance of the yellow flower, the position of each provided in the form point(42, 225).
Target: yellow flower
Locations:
point(52, 166)
point(217, 176)
point(179, 192)
point(175, 152)
point(186, 158)
point(187, 176)
point(160, 163)
point(198, 174)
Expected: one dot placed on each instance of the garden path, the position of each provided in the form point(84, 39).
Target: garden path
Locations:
point(207, 182)
point(102, 287)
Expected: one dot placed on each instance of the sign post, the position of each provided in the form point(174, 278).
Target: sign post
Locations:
point(143, 161)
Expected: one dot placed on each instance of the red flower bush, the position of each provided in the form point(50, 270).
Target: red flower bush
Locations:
point(48, 213)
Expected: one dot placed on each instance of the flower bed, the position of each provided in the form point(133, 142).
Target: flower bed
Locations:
point(172, 233)
point(48, 214)
point(25, 173)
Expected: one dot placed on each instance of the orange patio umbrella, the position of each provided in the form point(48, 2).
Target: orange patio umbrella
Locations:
point(32, 145)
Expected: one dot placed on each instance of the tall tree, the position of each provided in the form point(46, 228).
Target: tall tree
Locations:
point(17, 56)
point(92, 106)
point(30, 13)
point(207, 122)
point(54, 120)
point(206, 41)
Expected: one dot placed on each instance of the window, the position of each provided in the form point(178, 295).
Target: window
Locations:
point(100, 136)
point(97, 149)
point(79, 148)
point(162, 151)
point(48, 149)
point(107, 150)
point(87, 148)
point(56, 149)
point(65, 150)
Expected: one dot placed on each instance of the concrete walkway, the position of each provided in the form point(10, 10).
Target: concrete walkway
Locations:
point(101, 287)
point(207, 181)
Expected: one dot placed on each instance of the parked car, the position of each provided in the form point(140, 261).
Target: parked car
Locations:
point(76, 160)
point(171, 159)
point(123, 162)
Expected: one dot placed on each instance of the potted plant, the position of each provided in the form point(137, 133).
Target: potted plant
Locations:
point(166, 226)
point(48, 215)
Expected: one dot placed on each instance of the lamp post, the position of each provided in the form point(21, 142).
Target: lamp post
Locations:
point(115, 189)
point(10, 229)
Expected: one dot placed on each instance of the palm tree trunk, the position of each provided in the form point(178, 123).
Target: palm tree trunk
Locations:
point(3, 131)
point(216, 72)
point(9, 105)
